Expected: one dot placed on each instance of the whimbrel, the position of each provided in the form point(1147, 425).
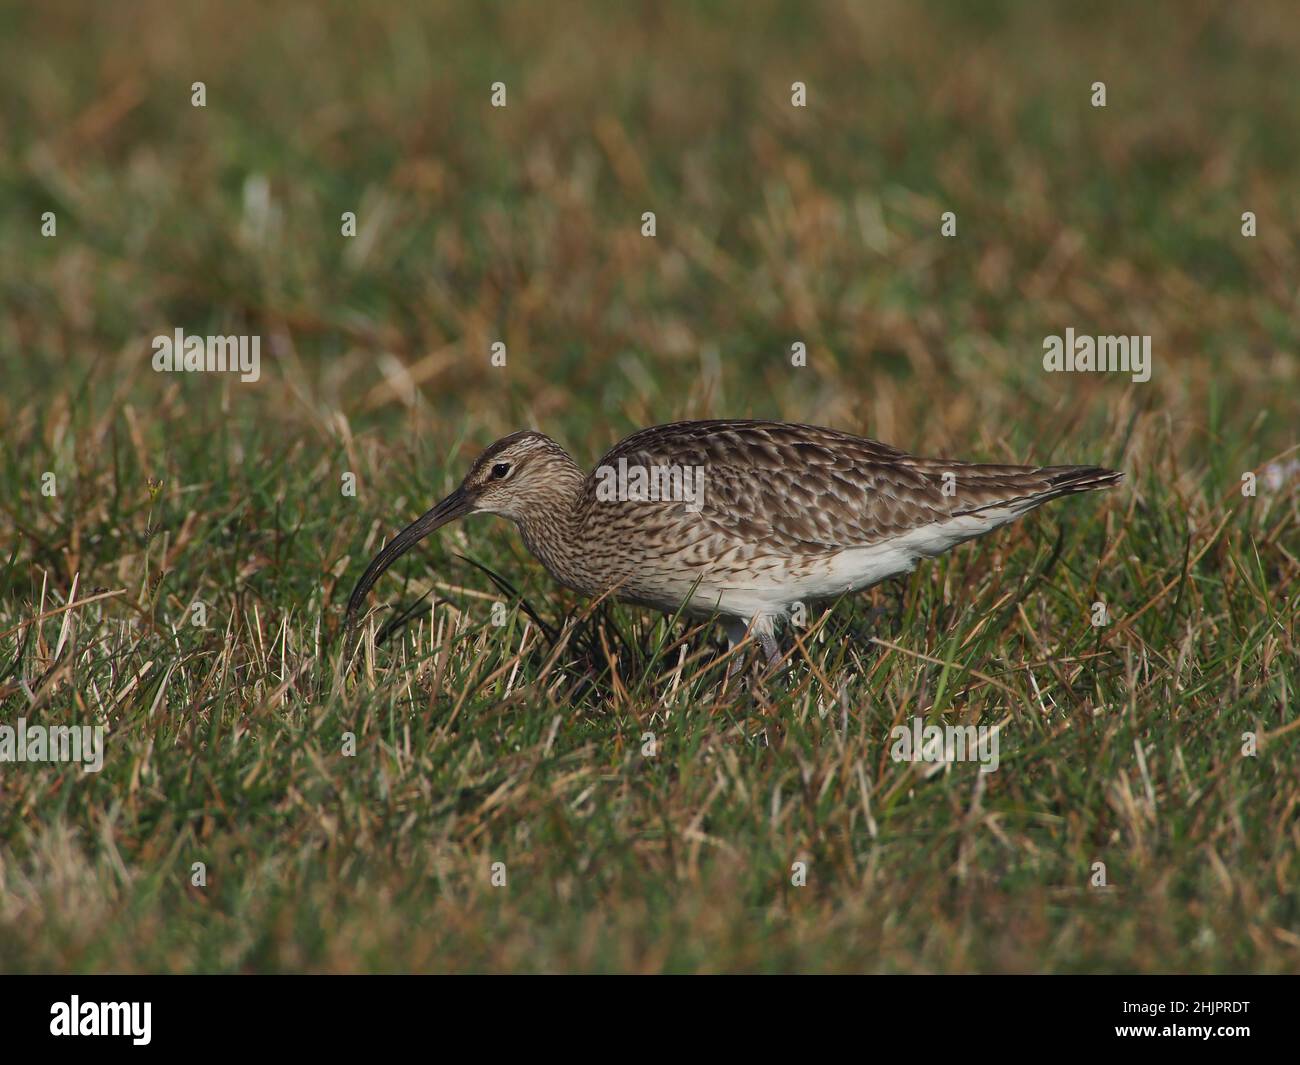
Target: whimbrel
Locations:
point(742, 519)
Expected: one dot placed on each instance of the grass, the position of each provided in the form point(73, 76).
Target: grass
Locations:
point(478, 743)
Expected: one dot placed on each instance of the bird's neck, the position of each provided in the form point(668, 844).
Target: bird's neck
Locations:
point(549, 524)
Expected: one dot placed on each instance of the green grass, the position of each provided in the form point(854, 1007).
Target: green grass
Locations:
point(474, 744)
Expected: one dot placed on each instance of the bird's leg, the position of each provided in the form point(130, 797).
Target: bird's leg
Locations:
point(764, 630)
point(736, 630)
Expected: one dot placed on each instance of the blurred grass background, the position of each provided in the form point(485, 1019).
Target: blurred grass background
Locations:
point(522, 224)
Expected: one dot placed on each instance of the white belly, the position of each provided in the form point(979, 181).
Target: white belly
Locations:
point(772, 585)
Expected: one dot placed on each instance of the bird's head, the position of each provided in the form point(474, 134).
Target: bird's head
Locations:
point(519, 472)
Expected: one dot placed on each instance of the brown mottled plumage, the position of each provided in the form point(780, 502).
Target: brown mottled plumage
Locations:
point(787, 513)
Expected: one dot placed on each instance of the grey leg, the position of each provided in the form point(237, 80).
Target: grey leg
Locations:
point(736, 631)
point(764, 629)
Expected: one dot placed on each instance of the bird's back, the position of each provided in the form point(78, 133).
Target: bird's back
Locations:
point(784, 511)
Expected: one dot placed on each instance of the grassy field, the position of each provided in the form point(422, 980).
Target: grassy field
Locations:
point(476, 743)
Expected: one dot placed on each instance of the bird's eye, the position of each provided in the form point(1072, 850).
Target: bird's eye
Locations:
point(500, 470)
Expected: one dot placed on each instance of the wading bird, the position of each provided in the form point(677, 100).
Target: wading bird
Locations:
point(742, 519)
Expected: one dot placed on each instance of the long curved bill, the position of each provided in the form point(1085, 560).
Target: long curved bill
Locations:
point(456, 505)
